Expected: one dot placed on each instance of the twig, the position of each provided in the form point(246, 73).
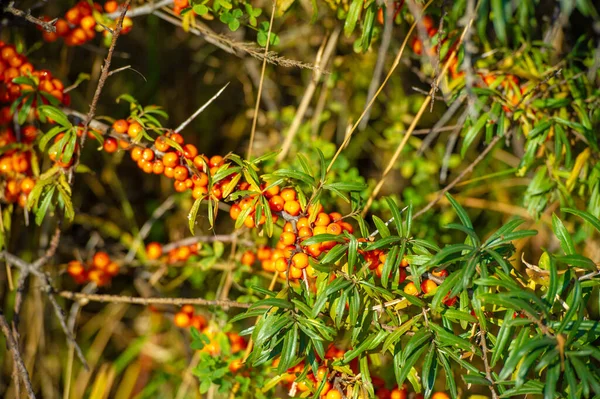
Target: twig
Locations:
point(450, 146)
point(432, 134)
point(438, 61)
point(370, 104)
point(323, 56)
point(126, 67)
point(13, 346)
point(386, 38)
point(152, 301)
point(260, 85)
point(48, 26)
point(199, 110)
point(467, 67)
point(142, 10)
point(486, 365)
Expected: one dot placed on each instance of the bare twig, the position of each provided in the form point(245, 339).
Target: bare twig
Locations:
point(48, 26)
point(486, 365)
point(323, 56)
point(260, 85)
point(126, 67)
point(142, 10)
point(386, 38)
point(13, 346)
point(450, 146)
point(199, 110)
point(432, 134)
point(151, 301)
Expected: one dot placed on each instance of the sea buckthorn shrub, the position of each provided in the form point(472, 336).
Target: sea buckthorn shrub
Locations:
point(397, 200)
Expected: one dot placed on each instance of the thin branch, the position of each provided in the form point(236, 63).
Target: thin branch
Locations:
point(13, 346)
point(142, 10)
point(48, 26)
point(323, 56)
point(486, 365)
point(199, 111)
point(126, 67)
point(215, 238)
point(152, 301)
point(260, 85)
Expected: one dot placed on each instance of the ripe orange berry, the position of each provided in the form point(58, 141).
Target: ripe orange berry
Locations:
point(276, 203)
point(134, 130)
point(136, 153)
point(292, 207)
point(440, 395)
point(411, 289)
point(235, 365)
point(216, 160)
point(199, 192)
point(398, 394)
point(198, 322)
point(158, 167)
point(179, 186)
point(112, 269)
point(428, 286)
point(249, 222)
point(27, 185)
point(88, 22)
point(110, 145)
point(404, 263)
point(100, 260)
point(441, 273)
point(281, 265)
point(178, 138)
point(190, 151)
point(121, 126)
point(300, 260)
point(182, 320)
point(148, 155)
point(333, 394)
point(294, 272)
point(334, 228)
point(187, 309)
point(248, 258)
point(99, 277)
point(170, 159)
point(322, 219)
point(75, 268)
point(73, 16)
point(271, 192)
point(287, 238)
point(235, 211)
point(62, 27)
point(305, 232)
point(154, 250)
point(111, 6)
point(288, 194)
point(161, 144)
point(168, 171)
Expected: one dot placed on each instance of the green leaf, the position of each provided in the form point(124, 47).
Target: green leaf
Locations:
point(41, 210)
point(295, 175)
point(352, 17)
point(566, 242)
point(588, 217)
point(577, 261)
point(288, 352)
point(381, 227)
point(460, 211)
point(55, 114)
point(193, 215)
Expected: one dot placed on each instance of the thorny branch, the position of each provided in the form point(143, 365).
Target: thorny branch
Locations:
point(152, 301)
point(48, 26)
point(486, 365)
point(13, 346)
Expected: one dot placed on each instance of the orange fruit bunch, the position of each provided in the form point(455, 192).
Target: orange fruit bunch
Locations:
point(186, 317)
point(187, 168)
point(13, 65)
point(100, 270)
point(15, 166)
point(80, 23)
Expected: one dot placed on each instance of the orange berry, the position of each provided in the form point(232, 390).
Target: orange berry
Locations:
point(300, 260)
point(88, 22)
point(110, 145)
point(287, 238)
point(271, 192)
point(249, 222)
point(263, 253)
point(190, 151)
point(179, 186)
point(333, 394)
point(292, 207)
point(134, 130)
point(235, 365)
point(235, 211)
point(334, 228)
point(288, 194)
point(27, 185)
point(99, 277)
point(440, 395)
point(170, 159)
point(100, 260)
point(319, 230)
point(148, 155)
point(248, 258)
point(187, 309)
point(200, 162)
point(112, 269)
point(201, 179)
point(169, 172)
point(294, 272)
point(182, 320)
point(322, 219)
point(398, 394)
point(216, 160)
point(441, 273)
point(428, 286)
point(404, 263)
point(154, 250)
point(178, 138)
point(411, 289)
point(198, 322)
point(73, 16)
point(75, 268)
point(276, 203)
point(305, 232)
point(62, 27)
point(199, 192)
point(158, 167)
point(335, 216)
point(281, 265)
point(136, 153)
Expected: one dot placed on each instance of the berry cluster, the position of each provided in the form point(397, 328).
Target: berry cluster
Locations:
point(171, 157)
point(19, 81)
point(100, 270)
point(80, 23)
point(186, 318)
